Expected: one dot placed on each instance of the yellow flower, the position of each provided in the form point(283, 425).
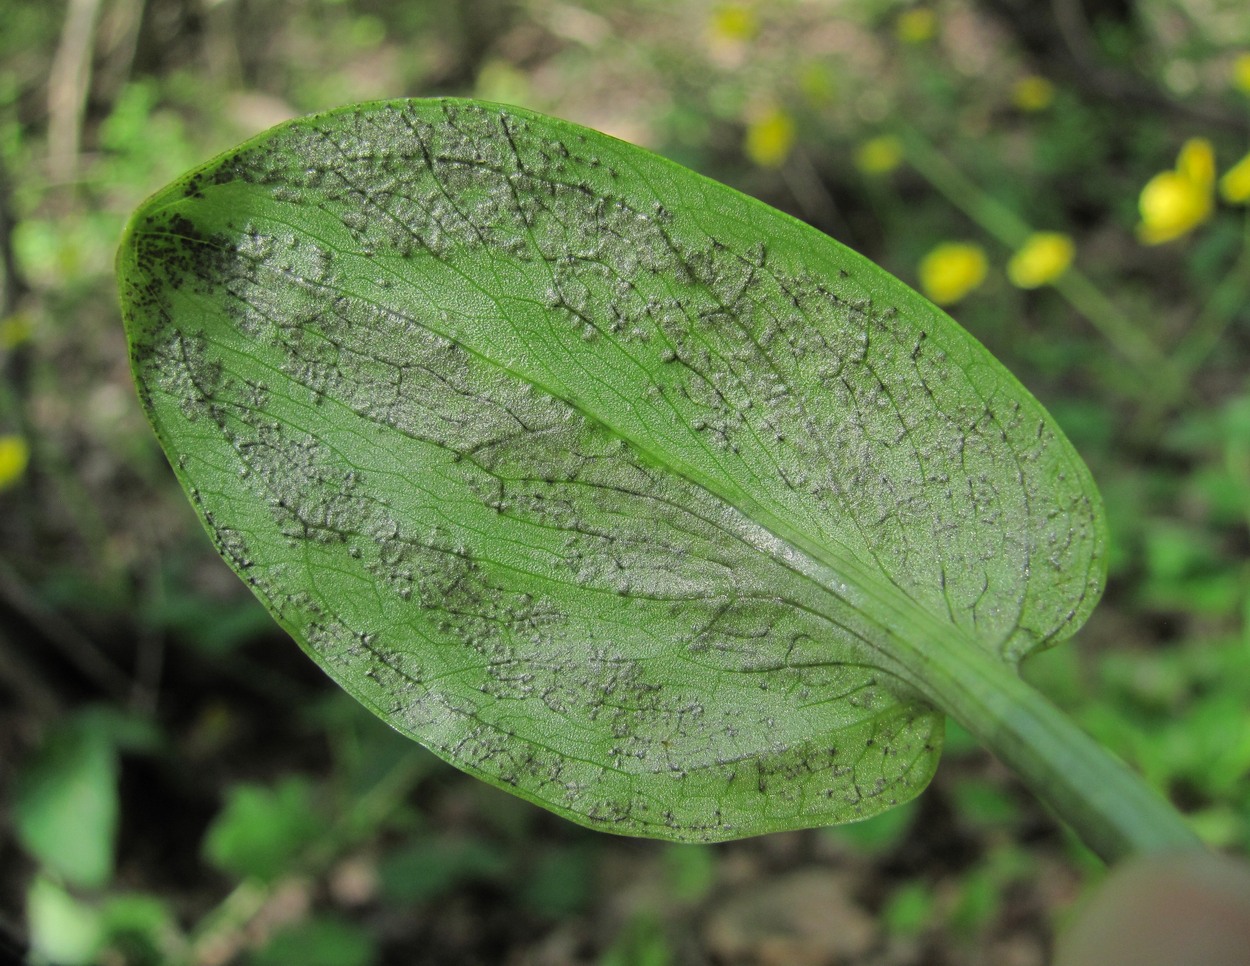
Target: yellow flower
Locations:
point(770, 138)
point(1032, 93)
point(1241, 73)
point(1235, 185)
point(14, 455)
point(915, 26)
point(879, 155)
point(1175, 202)
point(15, 330)
point(734, 22)
point(952, 270)
point(1044, 256)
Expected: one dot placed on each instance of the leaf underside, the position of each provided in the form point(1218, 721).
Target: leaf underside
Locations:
point(608, 484)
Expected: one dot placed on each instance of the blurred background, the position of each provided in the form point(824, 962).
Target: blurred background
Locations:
point(179, 784)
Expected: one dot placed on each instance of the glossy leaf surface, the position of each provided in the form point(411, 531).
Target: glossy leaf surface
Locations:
point(610, 485)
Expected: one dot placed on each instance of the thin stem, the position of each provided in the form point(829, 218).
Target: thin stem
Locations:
point(987, 211)
point(69, 82)
point(1109, 806)
point(1227, 299)
point(1003, 223)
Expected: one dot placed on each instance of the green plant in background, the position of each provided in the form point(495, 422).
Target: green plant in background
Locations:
point(610, 485)
point(795, 105)
point(65, 804)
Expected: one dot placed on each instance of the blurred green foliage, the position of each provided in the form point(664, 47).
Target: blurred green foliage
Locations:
point(321, 941)
point(227, 808)
point(881, 832)
point(65, 804)
point(261, 832)
point(909, 909)
point(641, 943)
point(426, 868)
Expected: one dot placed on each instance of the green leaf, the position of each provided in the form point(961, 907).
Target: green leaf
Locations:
point(429, 868)
point(261, 831)
point(560, 883)
point(690, 872)
point(642, 942)
point(610, 485)
point(65, 802)
point(319, 942)
point(909, 909)
point(63, 930)
point(141, 929)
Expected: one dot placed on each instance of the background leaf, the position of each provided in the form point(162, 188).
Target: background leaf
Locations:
point(65, 803)
point(609, 484)
point(63, 930)
point(319, 942)
point(260, 830)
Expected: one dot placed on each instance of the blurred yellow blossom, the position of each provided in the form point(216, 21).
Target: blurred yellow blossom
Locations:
point(1175, 202)
point(952, 270)
point(879, 155)
point(15, 330)
point(1241, 73)
point(734, 22)
point(917, 25)
point(1032, 93)
point(14, 454)
point(1235, 185)
point(770, 138)
point(1044, 256)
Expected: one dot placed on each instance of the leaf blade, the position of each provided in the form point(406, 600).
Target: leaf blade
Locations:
point(652, 488)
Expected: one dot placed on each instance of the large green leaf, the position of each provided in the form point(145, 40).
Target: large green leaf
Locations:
point(610, 485)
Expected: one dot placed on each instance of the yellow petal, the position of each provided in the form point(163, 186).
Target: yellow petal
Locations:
point(734, 22)
point(879, 155)
point(1235, 185)
point(1241, 73)
point(770, 138)
point(952, 270)
point(915, 26)
point(15, 330)
point(1044, 257)
point(14, 455)
point(1197, 162)
point(1171, 205)
point(1032, 93)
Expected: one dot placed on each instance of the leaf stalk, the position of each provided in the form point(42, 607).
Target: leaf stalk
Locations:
point(1110, 807)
